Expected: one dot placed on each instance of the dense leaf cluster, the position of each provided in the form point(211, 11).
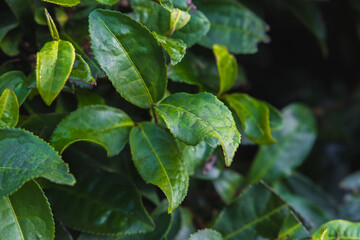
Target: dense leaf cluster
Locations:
point(113, 127)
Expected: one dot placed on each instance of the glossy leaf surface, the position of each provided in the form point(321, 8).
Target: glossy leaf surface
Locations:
point(198, 117)
point(52, 27)
point(24, 156)
point(227, 67)
point(108, 2)
point(106, 126)
point(232, 25)
point(178, 19)
point(81, 71)
point(53, 67)
point(265, 216)
point(208, 234)
point(65, 3)
point(9, 109)
point(293, 143)
point(158, 160)
point(26, 214)
point(137, 73)
point(176, 48)
point(16, 81)
point(254, 117)
point(101, 203)
point(339, 229)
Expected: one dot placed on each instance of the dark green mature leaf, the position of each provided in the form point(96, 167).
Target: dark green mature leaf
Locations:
point(24, 156)
point(16, 81)
point(339, 229)
point(310, 15)
point(89, 98)
point(7, 22)
point(232, 25)
point(137, 73)
point(293, 143)
point(258, 213)
point(157, 19)
point(103, 125)
point(26, 214)
point(53, 67)
point(227, 184)
point(254, 117)
point(81, 71)
point(157, 158)
point(176, 48)
point(227, 67)
point(351, 182)
point(194, 156)
point(21, 8)
point(9, 109)
point(65, 3)
point(207, 234)
point(10, 43)
point(198, 117)
point(182, 225)
point(275, 117)
point(105, 204)
point(167, 4)
point(108, 2)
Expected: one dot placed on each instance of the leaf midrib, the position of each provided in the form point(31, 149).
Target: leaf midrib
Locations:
point(128, 57)
point(246, 226)
point(15, 217)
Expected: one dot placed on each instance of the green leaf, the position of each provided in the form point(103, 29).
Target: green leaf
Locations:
point(167, 4)
point(293, 143)
point(53, 67)
point(351, 182)
point(195, 155)
point(108, 2)
point(338, 229)
point(9, 109)
point(232, 25)
point(137, 73)
point(254, 117)
point(227, 67)
point(258, 213)
point(198, 117)
point(102, 203)
point(158, 160)
point(81, 71)
point(7, 22)
point(89, 98)
point(16, 81)
point(178, 20)
point(157, 19)
point(106, 126)
point(275, 117)
point(26, 214)
point(182, 225)
point(24, 156)
point(310, 15)
point(10, 43)
point(64, 3)
point(207, 234)
point(52, 27)
point(227, 184)
point(176, 48)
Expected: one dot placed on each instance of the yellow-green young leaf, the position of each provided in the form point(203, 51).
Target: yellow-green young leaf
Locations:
point(232, 25)
point(103, 125)
point(64, 3)
point(293, 143)
point(258, 213)
point(254, 117)
point(24, 156)
point(16, 81)
point(178, 20)
point(138, 73)
point(158, 160)
point(108, 2)
point(176, 48)
point(26, 214)
point(9, 109)
point(196, 117)
point(227, 68)
point(207, 234)
point(52, 27)
point(101, 203)
point(338, 229)
point(53, 67)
